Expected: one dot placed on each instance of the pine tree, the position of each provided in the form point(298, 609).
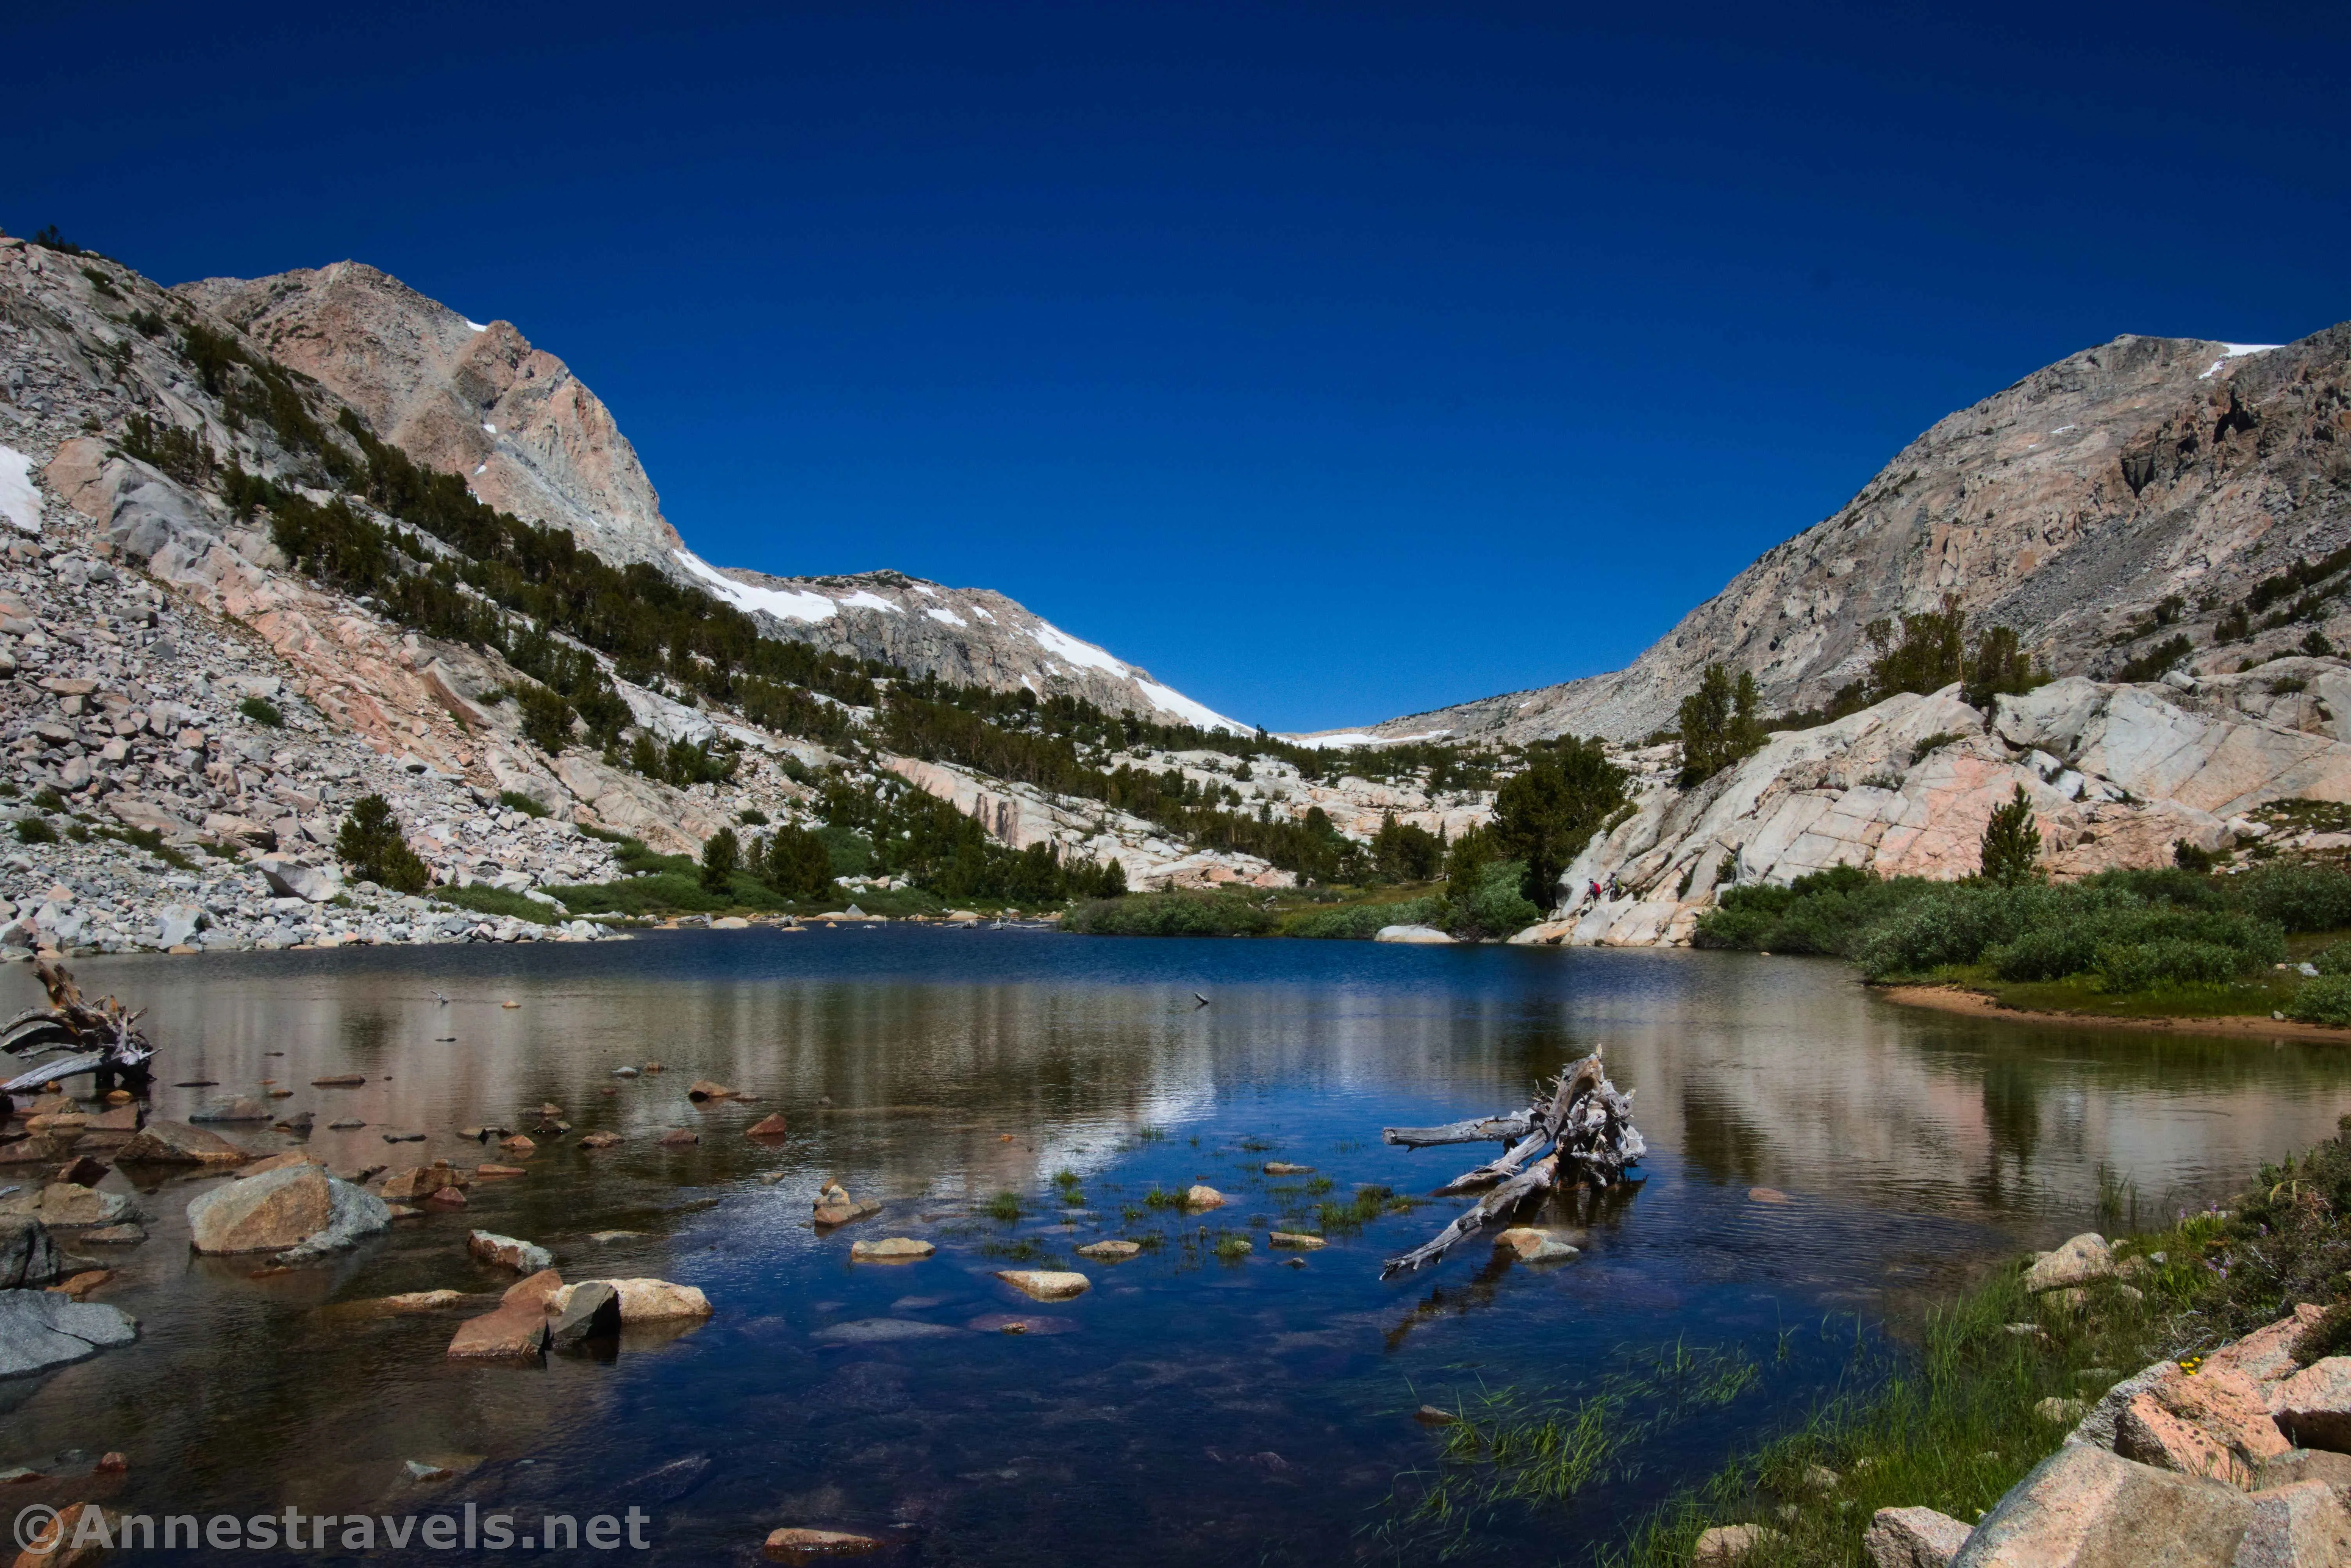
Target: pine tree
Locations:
point(371, 845)
point(721, 854)
point(1718, 725)
point(2012, 844)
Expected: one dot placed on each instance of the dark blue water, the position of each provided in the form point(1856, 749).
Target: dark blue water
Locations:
point(1189, 1408)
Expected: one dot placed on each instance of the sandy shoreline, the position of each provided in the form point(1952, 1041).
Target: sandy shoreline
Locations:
point(1952, 999)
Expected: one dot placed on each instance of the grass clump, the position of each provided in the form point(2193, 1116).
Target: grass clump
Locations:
point(1004, 1206)
point(499, 902)
point(35, 830)
point(1368, 1203)
point(262, 712)
point(515, 800)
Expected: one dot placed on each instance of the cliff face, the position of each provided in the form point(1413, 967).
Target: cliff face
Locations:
point(527, 435)
point(2067, 506)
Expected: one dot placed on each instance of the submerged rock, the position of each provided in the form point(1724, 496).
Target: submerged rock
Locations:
point(799, 1546)
point(63, 1205)
point(177, 1144)
point(1111, 1251)
point(27, 1255)
point(1296, 1241)
point(891, 1250)
point(39, 1329)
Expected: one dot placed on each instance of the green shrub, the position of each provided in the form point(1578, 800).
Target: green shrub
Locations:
point(2298, 897)
point(2335, 960)
point(1490, 904)
point(262, 712)
point(371, 845)
point(1820, 913)
point(2170, 961)
point(515, 800)
point(2086, 925)
point(35, 830)
point(752, 817)
point(1169, 915)
point(2326, 999)
point(1361, 922)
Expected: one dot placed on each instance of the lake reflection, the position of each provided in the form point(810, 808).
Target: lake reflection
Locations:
point(1187, 1409)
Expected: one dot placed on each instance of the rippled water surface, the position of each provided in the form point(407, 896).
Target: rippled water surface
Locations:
point(1187, 1409)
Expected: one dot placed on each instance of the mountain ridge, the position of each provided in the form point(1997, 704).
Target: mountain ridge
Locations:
point(479, 401)
point(2069, 505)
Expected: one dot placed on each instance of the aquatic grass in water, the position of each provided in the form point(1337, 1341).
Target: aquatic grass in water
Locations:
point(1004, 1206)
point(1512, 1449)
point(1952, 1426)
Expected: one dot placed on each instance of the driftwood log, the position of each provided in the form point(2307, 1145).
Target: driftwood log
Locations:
point(1585, 1125)
point(104, 1038)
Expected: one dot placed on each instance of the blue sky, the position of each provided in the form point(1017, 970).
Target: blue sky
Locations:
point(1332, 361)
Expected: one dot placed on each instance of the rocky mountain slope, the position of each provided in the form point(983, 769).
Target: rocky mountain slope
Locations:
point(529, 438)
point(2119, 775)
point(2069, 507)
point(200, 714)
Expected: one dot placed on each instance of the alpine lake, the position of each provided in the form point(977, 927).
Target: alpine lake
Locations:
point(1823, 1165)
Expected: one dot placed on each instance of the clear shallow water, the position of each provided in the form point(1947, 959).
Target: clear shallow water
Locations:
point(1186, 1410)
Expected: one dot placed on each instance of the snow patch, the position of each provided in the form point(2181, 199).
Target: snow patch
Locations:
point(1083, 655)
point(927, 590)
point(474, 325)
point(2236, 351)
point(19, 502)
point(1168, 700)
point(784, 604)
point(1354, 737)
point(861, 600)
point(488, 426)
point(948, 616)
point(983, 614)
